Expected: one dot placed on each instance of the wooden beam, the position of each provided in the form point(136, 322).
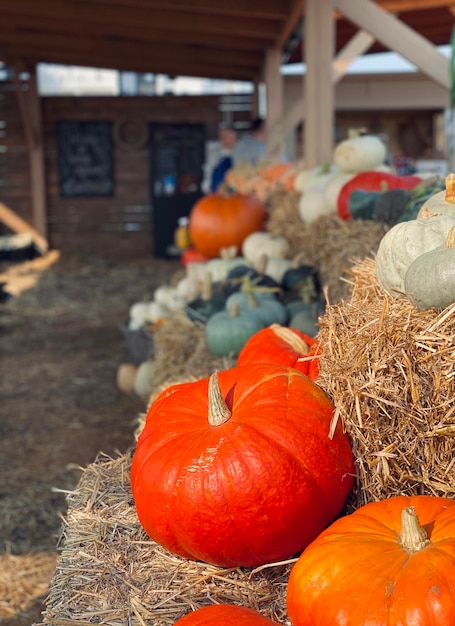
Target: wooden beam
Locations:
point(397, 36)
point(14, 26)
point(401, 6)
point(267, 9)
point(165, 20)
point(138, 61)
point(358, 45)
point(290, 25)
point(275, 100)
point(319, 43)
point(30, 107)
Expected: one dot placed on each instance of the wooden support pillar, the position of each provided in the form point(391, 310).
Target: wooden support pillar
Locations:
point(274, 86)
point(30, 107)
point(319, 48)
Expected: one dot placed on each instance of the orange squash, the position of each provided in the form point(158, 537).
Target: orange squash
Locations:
point(390, 563)
point(240, 469)
point(219, 221)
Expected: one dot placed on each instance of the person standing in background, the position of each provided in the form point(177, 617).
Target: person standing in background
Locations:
point(228, 138)
point(251, 148)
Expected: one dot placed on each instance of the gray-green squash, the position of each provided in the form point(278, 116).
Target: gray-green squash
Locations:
point(430, 279)
point(228, 331)
point(263, 306)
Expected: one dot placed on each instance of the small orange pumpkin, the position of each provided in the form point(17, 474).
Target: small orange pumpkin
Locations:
point(219, 221)
point(284, 346)
point(390, 563)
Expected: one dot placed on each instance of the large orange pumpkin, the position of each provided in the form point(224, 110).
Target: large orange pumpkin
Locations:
point(224, 615)
point(219, 221)
point(390, 563)
point(239, 469)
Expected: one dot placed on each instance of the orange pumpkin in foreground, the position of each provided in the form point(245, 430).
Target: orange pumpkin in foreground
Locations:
point(390, 563)
point(238, 469)
point(219, 221)
point(224, 615)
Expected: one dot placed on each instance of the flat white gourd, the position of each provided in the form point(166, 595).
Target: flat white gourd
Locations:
point(259, 243)
point(359, 154)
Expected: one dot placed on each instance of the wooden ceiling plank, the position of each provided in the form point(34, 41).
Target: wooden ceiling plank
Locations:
point(130, 60)
point(165, 20)
point(264, 9)
point(102, 47)
point(401, 6)
point(138, 32)
point(398, 37)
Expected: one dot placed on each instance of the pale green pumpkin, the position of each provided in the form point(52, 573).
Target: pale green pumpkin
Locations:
point(228, 331)
point(403, 243)
point(264, 306)
point(430, 279)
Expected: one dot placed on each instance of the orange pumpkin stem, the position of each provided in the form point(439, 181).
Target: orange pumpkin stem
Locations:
point(219, 412)
point(286, 334)
point(450, 189)
point(413, 535)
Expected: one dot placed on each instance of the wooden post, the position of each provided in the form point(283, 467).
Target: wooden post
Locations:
point(29, 104)
point(319, 48)
point(274, 85)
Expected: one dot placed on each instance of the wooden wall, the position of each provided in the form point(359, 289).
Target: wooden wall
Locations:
point(120, 225)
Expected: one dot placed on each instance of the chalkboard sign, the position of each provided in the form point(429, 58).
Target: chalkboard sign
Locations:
point(85, 158)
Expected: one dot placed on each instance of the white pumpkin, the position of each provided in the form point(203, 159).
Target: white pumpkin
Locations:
point(274, 267)
point(156, 311)
point(126, 375)
point(334, 186)
point(312, 204)
point(187, 288)
point(144, 381)
point(359, 154)
point(220, 268)
point(259, 243)
point(403, 243)
point(320, 175)
point(169, 297)
point(138, 315)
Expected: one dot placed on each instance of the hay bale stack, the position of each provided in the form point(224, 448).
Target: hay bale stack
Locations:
point(181, 353)
point(110, 572)
point(330, 244)
point(390, 370)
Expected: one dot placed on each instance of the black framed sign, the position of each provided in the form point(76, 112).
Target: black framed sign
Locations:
point(85, 158)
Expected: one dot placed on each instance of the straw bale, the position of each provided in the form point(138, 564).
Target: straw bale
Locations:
point(23, 578)
point(330, 244)
point(110, 572)
point(181, 354)
point(390, 371)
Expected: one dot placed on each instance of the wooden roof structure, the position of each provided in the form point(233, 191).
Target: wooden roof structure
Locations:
point(232, 39)
point(212, 38)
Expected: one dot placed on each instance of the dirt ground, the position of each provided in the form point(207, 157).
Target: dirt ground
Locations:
point(60, 347)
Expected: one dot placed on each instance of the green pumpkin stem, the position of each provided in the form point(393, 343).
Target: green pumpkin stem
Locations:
point(450, 189)
point(219, 412)
point(450, 239)
point(413, 536)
